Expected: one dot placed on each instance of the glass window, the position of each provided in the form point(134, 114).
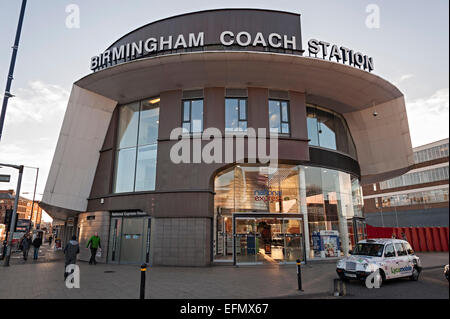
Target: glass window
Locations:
point(389, 251)
point(313, 131)
point(365, 249)
point(329, 130)
point(148, 124)
point(400, 249)
point(135, 166)
point(128, 125)
point(279, 117)
point(235, 115)
point(193, 116)
point(327, 134)
point(125, 165)
point(146, 168)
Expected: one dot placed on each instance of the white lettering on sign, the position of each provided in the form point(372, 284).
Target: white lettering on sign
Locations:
point(136, 49)
point(130, 51)
point(340, 54)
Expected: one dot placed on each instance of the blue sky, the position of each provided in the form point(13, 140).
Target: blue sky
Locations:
point(410, 49)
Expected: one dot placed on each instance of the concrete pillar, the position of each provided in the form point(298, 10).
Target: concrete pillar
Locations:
point(345, 207)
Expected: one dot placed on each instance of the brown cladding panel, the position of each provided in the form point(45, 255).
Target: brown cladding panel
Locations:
point(258, 108)
point(214, 108)
point(297, 108)
point(214, 22)
point(169, 113)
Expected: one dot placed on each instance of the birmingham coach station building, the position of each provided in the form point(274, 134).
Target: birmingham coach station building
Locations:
point(235, 71)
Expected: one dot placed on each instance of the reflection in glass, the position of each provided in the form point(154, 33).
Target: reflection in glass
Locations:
point(235, 115)
point(329, 130)
point(146, 167)
point(278, 117)
point(137, 137)
point(148, 124)
point(125, 164)
point(128, 125)
point(192, 116)
point(329, 197)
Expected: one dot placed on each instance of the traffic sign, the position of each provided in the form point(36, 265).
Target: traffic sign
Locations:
point(5, 178)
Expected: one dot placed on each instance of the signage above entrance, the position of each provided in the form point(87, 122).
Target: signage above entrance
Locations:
point(128, 214)
point(340, 54)
point(213, 30)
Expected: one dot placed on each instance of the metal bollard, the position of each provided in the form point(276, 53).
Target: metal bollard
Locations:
point(143, 271)
point(339, 288)
point(299, 275)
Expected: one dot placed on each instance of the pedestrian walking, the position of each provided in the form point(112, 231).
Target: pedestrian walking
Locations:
point(94, 244)
point(70, 254)
point(25, 245)
point(37, 242)
point(50, 239)
point(404, 236)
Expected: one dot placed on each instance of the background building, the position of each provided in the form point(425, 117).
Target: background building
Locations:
point(23, 209)
point(231, 70)
point(418, 198)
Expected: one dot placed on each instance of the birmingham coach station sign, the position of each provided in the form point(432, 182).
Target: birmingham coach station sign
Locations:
point(228, 29)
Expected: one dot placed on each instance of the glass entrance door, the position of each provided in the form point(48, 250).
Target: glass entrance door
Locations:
point(270, 239)
point(129, 240)
point(294, 245)
point(246, 243)
point(359, 225)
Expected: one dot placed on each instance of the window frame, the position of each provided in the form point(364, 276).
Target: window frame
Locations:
point(117, 147)
point(190, 115)
point(239, 99)
point(288, 122)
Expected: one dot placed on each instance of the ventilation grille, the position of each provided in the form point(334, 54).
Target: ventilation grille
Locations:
point(193, 94)
point(236, 93)
point(275, 94)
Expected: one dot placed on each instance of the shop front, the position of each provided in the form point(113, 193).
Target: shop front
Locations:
point(280, 214)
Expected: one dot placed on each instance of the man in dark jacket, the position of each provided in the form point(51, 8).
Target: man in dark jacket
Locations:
point(70, 254)
point(25, 245)
point(37, 242)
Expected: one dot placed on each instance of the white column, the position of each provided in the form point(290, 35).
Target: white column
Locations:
point(345, 209)
point(303, 209)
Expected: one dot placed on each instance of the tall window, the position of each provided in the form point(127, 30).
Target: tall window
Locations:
point(192, 116)
point(235, 115)
point(136, 152)
point(279, 116)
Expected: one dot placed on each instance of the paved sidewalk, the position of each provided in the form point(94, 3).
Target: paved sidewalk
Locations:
point(433, 259)
point(45, 280)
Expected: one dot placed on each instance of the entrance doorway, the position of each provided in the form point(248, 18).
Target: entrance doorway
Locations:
point(129, 239)
point(265, 238)
point(356, 230)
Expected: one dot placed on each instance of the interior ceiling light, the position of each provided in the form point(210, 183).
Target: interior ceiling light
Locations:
point(154, 101)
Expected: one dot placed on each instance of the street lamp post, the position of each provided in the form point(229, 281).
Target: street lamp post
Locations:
point(14, 214)
point(8, 94)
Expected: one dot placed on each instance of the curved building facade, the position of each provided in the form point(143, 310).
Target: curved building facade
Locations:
point(211, 80)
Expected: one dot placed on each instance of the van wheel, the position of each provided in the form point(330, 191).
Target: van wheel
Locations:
point(415, 274)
